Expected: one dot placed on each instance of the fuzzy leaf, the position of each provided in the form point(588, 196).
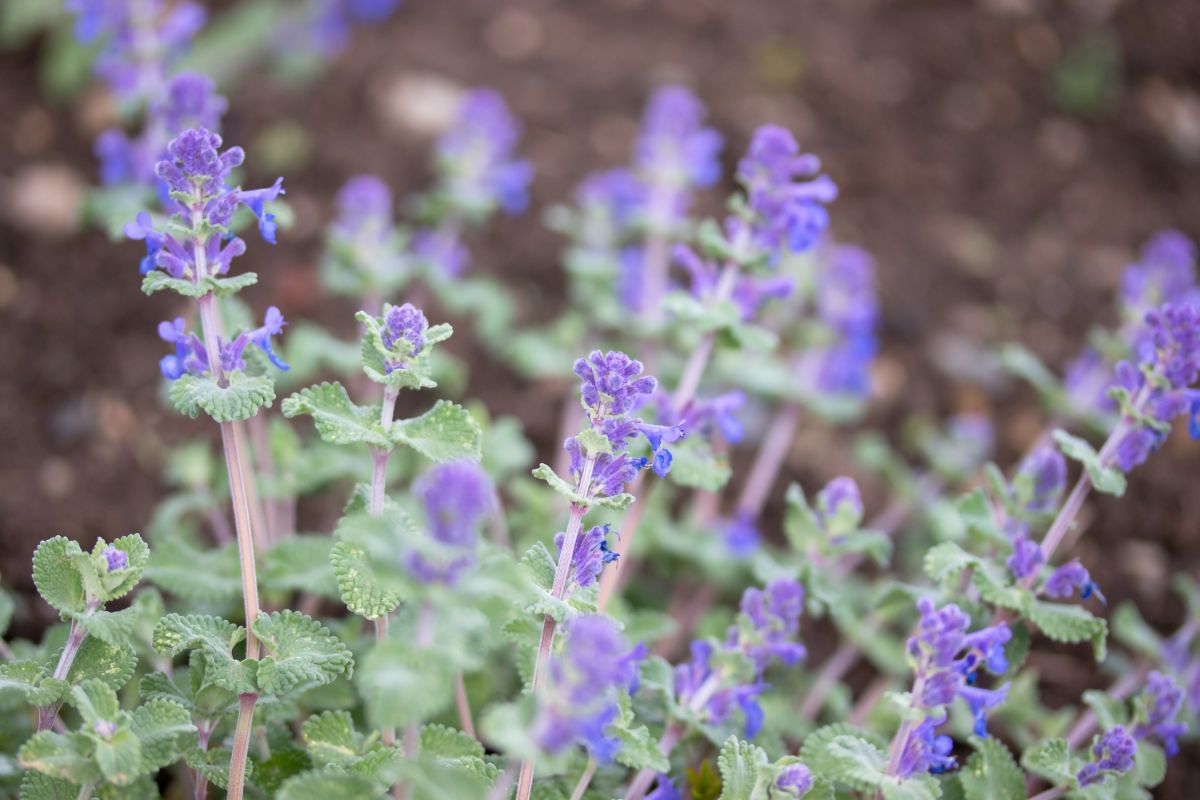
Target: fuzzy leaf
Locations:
point(856, 761)
point(64, 756)
point(336, 418)
point(214, 764)
point(95, 701)
point(165, 731)
point(1109, 711)
point(326, 785)
point(1050, 759)
point(299, 564)
point(544, 472)
point(31, 682)
point(158, 281)
point(113, 664)
point(193, 573)
point(36, 786)
point(697, 466)
point(55, 575)
point(446, 432)
point(301, 652)
point(1105, 479)
point(946, 560)
point(241, 399)
point(330, 738)
point(119, 757)
point(991, 773)
point(740, 763)
point(1061, 622)
point(401, 685)
point(365, 561)
point(113, 627)
point(1132, 631)
point(441, 741)
point(921, 786)
point(215, 638)
point(818, 752)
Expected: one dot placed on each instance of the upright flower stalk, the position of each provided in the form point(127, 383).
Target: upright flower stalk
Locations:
point(612, 387)
point(192, 257)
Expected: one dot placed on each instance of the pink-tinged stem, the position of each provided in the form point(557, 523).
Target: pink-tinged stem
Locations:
point(584, 780)
point(241, 745)
point(463, 704)
point(379, 463)
point(1050, 794)
point(199, 781)
point(835, 667)
point(264, 465)
point(48, 715)
point(862, 709)
point(776, 442)
point(558, 590)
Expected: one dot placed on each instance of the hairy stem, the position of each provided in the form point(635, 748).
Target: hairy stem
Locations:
point(463, 704)
point(199, 781)
point(584, 780)
point(558, 590)
point(48, 715)
point(85, 791)
point(388, 734)
point(241, 746)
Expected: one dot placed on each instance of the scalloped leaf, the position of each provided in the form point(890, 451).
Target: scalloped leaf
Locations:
point(165, 731)
point(1062, 622)
point(446, 432)
point(1051, 759)
point(324, 785)
point(65, 756)
point(946, 560)
point(240, 400)
point(213, 764)
point(442, 741)
point(816, 754)
point(740, 764)
point(113, 627)
point(337, 419)
point(330, 738)
point(367, 567)
point(401, 685)
point(216, 638)
point(158, 281)
point(30, 681)
point(112, 664)
point(991, 773)
point(1106, 479)
point(56, 576)
point(193, 573)
point(299, 564)
point(301, 652)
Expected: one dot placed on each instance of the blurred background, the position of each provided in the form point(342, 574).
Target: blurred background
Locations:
point(1002, 159)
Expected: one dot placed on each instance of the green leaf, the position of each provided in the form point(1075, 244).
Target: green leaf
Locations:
point(326, 785)
point(299, 564)
point(118, 583)
point(119, 757)
point(1150, 764)
point(36, 786)
point(63, 756)
point(301, 652)
point(55, 575)
point(594, 442)
point(740, 763)
point(1132, 631)
point(921, 786)
point(330, 738)
point(165, 731)
point(1051, 759)
point(946, 560)
point(991, 773)
point(215, 638)
point(442, 741)
point(113, 664)
point(214, 764)
point(1105, 479)
point(113, 627)
point(158, 281)
point(1061, 622)
point(544, 472)
point(638, 749)
point(816, 750)
point(446, 432)
point(241, 399)
point(336, 418)
point(31, 682)
point(365, 559)
point(697, 466)
point(400, 684)
point(96, 702)
point(856, 761)
point(193, 573)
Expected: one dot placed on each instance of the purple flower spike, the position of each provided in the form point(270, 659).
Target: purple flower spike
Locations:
point(403, 334)
point(116, 559)
point(456, 497)
point(925, 751)
point(1112, 753)
point(838, 493)
point(1026, 558)
point(794, 780)
point(1163, 702)
point(590, 557)
point(1048, 471)
point(190, 356)
point(674, 149)
point(611, 384)
point(477, 154)
point(579, 700)
point(770, 623)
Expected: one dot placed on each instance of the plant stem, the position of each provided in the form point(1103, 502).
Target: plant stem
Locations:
point(837, 665)
point(241, 746)
point(85, 791)
point(463, 703)
point(199, 781)
point(379, 462)
point(900, 742)
point(584, 780)
point(776, 442)
point(1050, 794)
point(558, 590)
point(48, 715)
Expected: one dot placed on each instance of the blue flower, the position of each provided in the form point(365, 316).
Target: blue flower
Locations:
point(115, 559)
point(256, 200)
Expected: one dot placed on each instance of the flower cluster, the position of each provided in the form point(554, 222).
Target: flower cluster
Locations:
point(365, 252)
point(403, 334)
point(1168, 363)
point(456, 497)
point(590, 556)
point(477, 157)
point(115, 559)
point(612, 386)
point(946, 662)
point(580, 698)
point(191, 357)
point(847, 306)
point(785, 192)
point(765, 632)
point(1161, 702)
point(1112, 754)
